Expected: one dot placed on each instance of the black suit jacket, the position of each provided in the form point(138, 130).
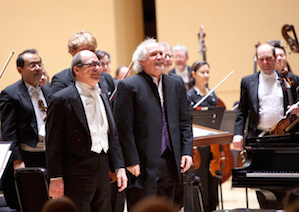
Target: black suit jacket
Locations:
point(173, 70)
point(68, 132)
point(249, 103)
point(138, 115)
point(18, 120)
point(65, 78)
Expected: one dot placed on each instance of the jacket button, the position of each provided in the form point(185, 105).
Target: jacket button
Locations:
point(79, 139)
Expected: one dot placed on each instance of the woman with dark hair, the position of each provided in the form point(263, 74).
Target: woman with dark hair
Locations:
point(198, 81)
point(198, 85)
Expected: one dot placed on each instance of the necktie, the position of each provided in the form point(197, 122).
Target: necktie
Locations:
point(165, 136)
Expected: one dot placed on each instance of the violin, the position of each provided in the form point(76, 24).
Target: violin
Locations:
point(292, 42)
point(279, 128)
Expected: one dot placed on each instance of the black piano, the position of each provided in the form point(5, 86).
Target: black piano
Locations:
point(272, 164)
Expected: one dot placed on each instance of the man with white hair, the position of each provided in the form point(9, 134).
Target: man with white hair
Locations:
point(154, 125)
point(180, 57)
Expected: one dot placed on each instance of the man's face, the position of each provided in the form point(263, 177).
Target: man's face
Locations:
point(180, 59)
point(106, 64)
point(32, 70)
point(89, 73)
point(82, 47)
point(154, 60)
point(265, 58)
point(281, 59)
point(168, 59)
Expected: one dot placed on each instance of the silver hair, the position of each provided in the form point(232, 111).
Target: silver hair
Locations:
point(165, 45)
point(140, 54)
point(180, 47)
point(77, 59)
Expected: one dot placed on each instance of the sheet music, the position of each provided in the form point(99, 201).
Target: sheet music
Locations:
point(4, 156)
point(198, 132)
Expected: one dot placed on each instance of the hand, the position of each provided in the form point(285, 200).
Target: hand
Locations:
point(56, 188)
point(186, 162)
point(17, 164)
point(238, 143)
point(135, 170)
point(294, 108)
point(122, 180)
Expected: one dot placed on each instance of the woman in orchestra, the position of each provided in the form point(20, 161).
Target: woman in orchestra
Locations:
point(199, 79)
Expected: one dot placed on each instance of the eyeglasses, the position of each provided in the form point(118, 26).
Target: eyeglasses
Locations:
point(168, 56)
point(91, 65)
point(267, 59)
point(35, 65)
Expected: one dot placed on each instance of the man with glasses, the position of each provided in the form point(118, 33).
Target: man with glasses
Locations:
point(82, 140)
point(23, 114)
point(263, 99)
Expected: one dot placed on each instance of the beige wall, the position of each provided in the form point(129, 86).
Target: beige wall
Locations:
point(47, 26)
point(232, 27)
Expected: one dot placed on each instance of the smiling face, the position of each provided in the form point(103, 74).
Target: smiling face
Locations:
point(154, 60)
point(89, 73)
point(281, 59)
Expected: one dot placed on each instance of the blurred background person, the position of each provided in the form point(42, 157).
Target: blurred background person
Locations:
point(120, 72)
point(104, 57)
point(44, 80)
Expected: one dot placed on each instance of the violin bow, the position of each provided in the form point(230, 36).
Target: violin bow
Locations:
point(211, 91)
point(7, 61)
point(124, 76)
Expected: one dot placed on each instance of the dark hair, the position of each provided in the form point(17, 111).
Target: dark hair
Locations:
point(196, 65)
point(281, 47)
point(100, 54)
point(118, 69)
point(20, 59)
point(77, 59)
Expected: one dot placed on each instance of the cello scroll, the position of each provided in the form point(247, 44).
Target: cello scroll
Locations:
point(293, 43)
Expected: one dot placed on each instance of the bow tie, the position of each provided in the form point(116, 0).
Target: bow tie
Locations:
point(32, 89)
point(269, 76)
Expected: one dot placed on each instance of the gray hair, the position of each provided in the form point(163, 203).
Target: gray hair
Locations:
point(165, 45)
point(77, 59)
point(140, 54)
point(180, 47)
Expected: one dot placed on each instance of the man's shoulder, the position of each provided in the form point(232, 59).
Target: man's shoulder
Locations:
point(13, 88)
point(64, 92)
point(172, 71)
point(250, 77)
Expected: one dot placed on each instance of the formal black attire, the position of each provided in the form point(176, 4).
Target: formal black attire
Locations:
point(209, 183)
point(139, 117)
point(19, 125)
point(68, 140)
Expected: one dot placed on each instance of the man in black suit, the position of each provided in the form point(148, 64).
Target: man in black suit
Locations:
point(180, 57)
point(82, 139)
point(23, 114)
point(82, 40)
point(154, 126)
point(263, 100)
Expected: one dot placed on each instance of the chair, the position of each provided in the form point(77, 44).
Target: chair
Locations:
point(32, 188)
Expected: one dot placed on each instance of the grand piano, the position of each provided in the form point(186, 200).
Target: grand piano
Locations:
point(272, 164)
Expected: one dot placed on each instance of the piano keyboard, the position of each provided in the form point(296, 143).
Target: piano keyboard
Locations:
point(273, 174)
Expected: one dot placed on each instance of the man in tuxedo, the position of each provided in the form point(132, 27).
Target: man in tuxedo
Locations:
point(82, 40)
point(82, 139)
point(263, 99)
point(180, 57)
point(154, 126)
point(23, 113)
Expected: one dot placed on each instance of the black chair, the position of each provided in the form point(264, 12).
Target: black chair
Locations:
point(32, 188)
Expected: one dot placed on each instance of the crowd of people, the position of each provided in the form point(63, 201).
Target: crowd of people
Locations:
point(72, 128)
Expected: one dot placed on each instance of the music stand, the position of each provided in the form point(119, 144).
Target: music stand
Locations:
point(208, 116)
point(228, 121)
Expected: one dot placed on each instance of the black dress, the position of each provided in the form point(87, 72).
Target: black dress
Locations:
point(209, 183)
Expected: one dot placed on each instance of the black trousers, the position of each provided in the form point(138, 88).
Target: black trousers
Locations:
point(164, 184)
point(31, 159)
point(86, 182)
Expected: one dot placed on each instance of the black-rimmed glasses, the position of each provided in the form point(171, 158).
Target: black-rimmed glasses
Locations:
point(91, 65)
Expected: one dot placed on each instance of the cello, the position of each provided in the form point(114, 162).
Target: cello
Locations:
point(222, 162)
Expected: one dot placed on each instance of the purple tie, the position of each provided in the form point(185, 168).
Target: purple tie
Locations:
point(165, 136)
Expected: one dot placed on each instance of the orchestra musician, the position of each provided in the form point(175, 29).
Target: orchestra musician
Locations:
point(104, 57)
point(23, 112)
point(262, 99)
point(82, 140)
point(154, 125)
point(82, 40)
point(198, 89)
point(281, 59)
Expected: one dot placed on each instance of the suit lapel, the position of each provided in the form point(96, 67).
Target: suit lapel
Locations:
point(27, 105)
point(152, 85)
point(77, 106)
point(254, 84)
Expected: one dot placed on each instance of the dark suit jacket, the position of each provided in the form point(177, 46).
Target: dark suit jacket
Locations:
point(65, 78)
point(18, 120)
point(68, 132)
point(249, 103)
point(138, 115)
point(173, 70)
